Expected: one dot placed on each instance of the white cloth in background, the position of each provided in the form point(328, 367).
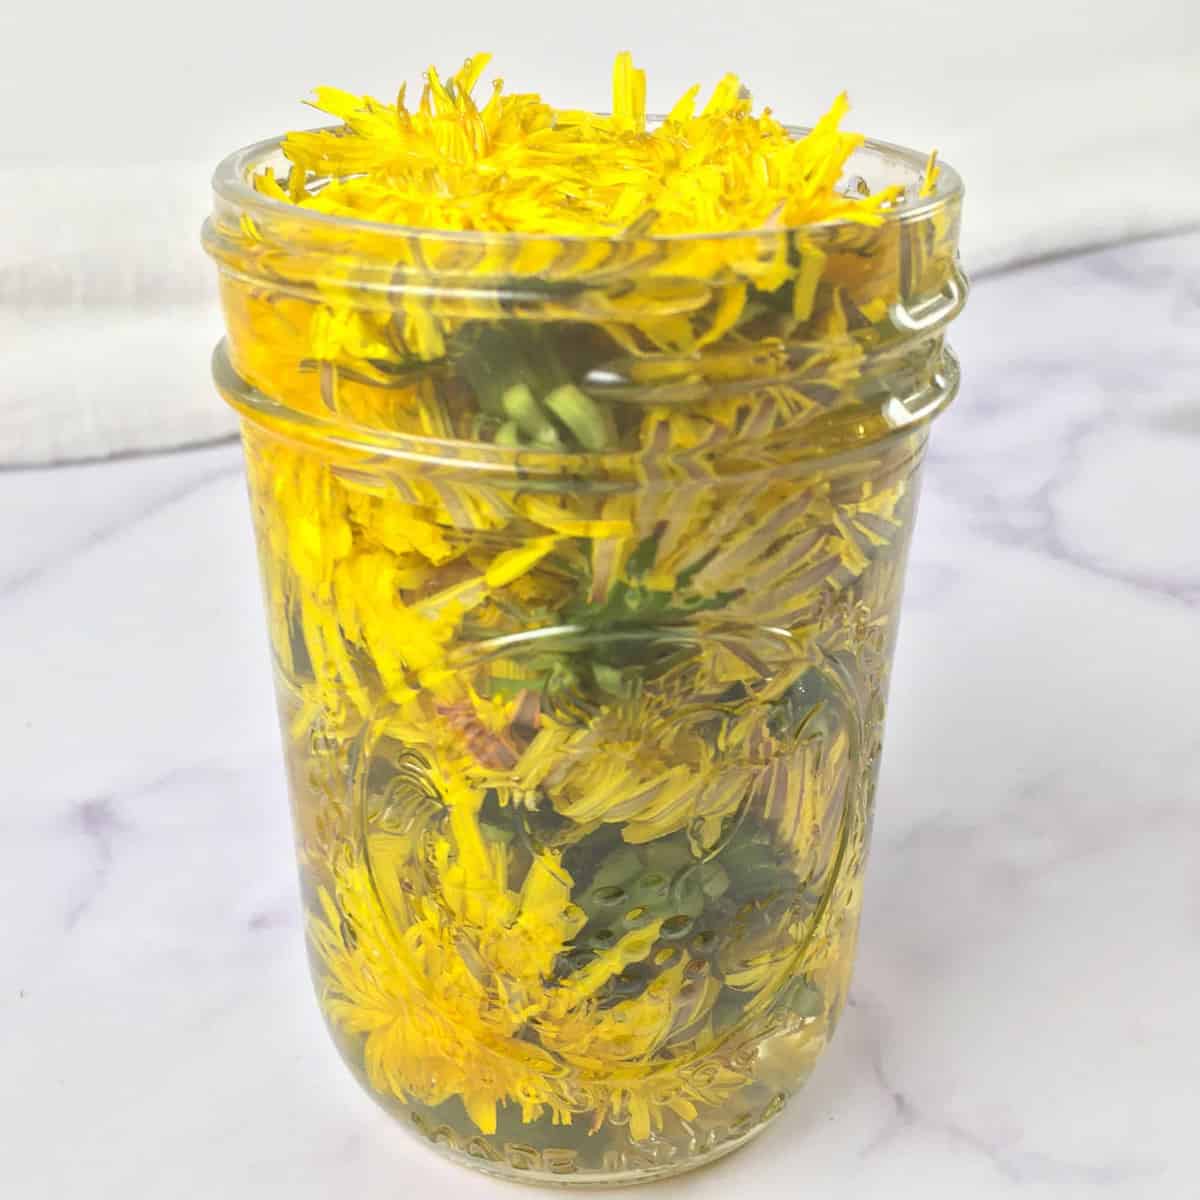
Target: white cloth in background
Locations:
point(108, 317)
point(107, 312)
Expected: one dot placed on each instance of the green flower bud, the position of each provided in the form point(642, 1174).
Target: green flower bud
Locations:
point(579, 413)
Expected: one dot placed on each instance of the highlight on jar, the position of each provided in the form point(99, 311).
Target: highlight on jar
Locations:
point(583, 453)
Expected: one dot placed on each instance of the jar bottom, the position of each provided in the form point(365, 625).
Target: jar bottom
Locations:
point(522, 1164)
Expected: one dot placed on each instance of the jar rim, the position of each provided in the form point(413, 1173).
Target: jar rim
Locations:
point(230, 183)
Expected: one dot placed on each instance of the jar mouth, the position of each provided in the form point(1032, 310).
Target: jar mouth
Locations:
point(391, 299)
point(877, 162)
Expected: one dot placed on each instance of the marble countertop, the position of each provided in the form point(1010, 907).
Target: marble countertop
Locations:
point(1023, 1021)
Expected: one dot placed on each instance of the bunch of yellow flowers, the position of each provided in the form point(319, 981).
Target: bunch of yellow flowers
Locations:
point(582, 491)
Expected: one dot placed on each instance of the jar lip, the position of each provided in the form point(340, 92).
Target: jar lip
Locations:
point(230, 183)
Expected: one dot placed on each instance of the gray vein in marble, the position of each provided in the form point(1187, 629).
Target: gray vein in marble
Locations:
point(100, 536)
point(1015, 1165)
point(1035, 527)
point(278, 916)
point(175, 449)
point(1083, 377)
point(1092, 251)
point(99, 823)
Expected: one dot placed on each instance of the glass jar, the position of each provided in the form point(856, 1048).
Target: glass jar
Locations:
point(582, 560)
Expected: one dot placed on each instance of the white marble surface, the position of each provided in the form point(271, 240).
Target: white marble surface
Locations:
point(1024, 1018)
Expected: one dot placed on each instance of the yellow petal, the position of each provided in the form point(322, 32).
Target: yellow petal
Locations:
point(729, 309)
point(629, 94)
point(481, 1110)
point(639, 1118)
point(512, 564)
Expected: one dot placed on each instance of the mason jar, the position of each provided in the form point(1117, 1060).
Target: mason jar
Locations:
point(582, 560)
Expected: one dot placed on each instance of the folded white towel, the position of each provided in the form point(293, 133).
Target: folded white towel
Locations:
point(107, 312)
